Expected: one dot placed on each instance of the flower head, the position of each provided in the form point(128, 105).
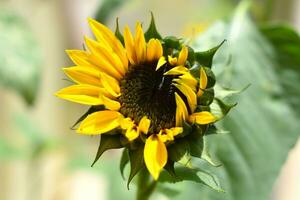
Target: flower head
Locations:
point(147, 88)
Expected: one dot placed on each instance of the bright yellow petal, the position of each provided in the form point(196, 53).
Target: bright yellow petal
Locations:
point(105, 36)
point(161, 62)
point(187, 79)
point(106, 54)
point(183, 55)
point(83, 75)
point(172, 61)
point(110, 103)
point(176, 131)
point(155, 155)
point(84, 94)
point(140, 43)
point(189, 94)
point(154, 50)
point(100, 122)
point(129, 45)
point(203, 82)
point(126, 123)
point(144, 125)
point(178, 70)
point(203, 117)
point(131, 134)
point(80, 58)
point(181, 110)
point(110, 84)
point(151, 50)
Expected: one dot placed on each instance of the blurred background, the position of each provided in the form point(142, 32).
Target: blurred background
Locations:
point(41, 158)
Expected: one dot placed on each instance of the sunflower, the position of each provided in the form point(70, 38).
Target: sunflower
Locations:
point(143, 87)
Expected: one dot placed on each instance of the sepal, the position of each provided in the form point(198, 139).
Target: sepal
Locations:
point(152, 30)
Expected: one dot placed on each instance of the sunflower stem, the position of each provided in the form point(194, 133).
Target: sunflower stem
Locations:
point(145, 186)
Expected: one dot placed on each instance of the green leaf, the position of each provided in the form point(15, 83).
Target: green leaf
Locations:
point(178, 149)
point(194, 175)
point(286, 42)
point(206, 155)
point(169, 167)
point(222, 92)
point(205, 58)
point(207, 98)
point(108, 142)
point(136, 158)
point(20, 57)
point(220, 109)
point(123, 162)
point(170, 42)
point(118, 34)
point(265, 126)
point(152, 31)
point(195, 141)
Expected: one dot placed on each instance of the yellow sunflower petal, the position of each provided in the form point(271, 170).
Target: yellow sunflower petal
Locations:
point(154, 50)
point(126, 123)
point(155, 155)
point(172, 61)
point(140, 43)
point(181, 110)
point(106, 54)
point(189, 93)
point(84, 94)
point(161, 62)
point(203, 82)
point(131, 134)
point(80, 57)
point(99, 122)
point(203, 117)
point(178, 70)
point(110, 84)
point(110, 103)
point(105, 36)
point(183, 55)
point(187, 79)
point(176, 130)
point(83, 75)
point(129, 45)
point(163, 136)
point(144, 125)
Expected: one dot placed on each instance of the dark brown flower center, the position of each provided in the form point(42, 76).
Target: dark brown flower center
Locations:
point(146, 92)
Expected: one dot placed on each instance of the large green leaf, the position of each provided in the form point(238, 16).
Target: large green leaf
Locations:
point(264, 125)
point(20, 59)
point(287, 46)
